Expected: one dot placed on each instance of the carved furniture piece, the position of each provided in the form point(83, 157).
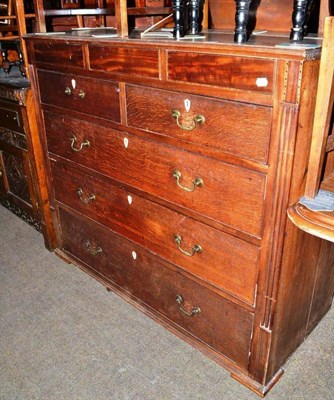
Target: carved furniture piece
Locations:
point(21, 171)
point(17, 189)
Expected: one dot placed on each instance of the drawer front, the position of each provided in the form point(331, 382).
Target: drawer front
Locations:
point(86, 95)
point(156, 169)
point(222, 260)
point(221, 324)
point(240, 129)
point(10, 117)
point(59, 54)
point(245, 73)
point(122, 60)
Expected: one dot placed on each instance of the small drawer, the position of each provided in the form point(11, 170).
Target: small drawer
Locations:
point(244, 73)
point(230, 194)
point(219, 323)
point(58, 54)
point(125, 60)
point(86, 95)
point(224, 261)
point(10, 117)
point(236, 128)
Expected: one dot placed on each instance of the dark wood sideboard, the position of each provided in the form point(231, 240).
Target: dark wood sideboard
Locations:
point(170, 167)
point(22, 177)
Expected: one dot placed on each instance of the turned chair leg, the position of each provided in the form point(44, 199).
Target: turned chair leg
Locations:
point(178, 13)
point(194, 17)
point(299, 17)
point(241, 20)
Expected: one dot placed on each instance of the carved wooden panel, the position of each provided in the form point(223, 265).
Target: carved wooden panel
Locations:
point(16, 176)
point(13, 138)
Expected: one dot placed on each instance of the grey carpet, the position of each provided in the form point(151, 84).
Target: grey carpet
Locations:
point(63, 336)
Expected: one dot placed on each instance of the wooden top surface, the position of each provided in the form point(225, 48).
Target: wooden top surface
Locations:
point(262, 42)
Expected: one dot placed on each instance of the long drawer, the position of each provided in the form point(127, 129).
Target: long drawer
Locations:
point(236, 128)
point(91, 96)
point(221, 324)
point(188, 180)
point(220, 259)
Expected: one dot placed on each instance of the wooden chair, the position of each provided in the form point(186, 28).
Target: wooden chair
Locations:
point(320, 175)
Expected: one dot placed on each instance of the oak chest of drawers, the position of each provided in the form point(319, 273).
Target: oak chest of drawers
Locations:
point(170, 168)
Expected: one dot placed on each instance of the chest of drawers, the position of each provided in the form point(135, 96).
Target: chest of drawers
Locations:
point(170, 169)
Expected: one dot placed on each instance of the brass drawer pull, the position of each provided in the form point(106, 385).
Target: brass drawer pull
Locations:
point(196, 249)
point(197, 120)
point(85, 199)
point(93, 250)
point(74, 140)
point(198, 182)
point(68, 91)
point(194, 310)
